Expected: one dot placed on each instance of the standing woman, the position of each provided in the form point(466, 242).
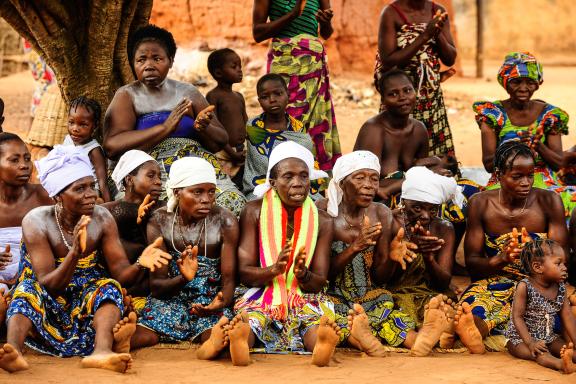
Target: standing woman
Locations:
point(414, 36)
point(299, 56)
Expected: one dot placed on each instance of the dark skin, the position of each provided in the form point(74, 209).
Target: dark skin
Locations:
point(273, 98)
point(262, 29)
point(17, 195)
point(416, 11)
point(196, 204)
point(1, 114)
point(230, 105)
point(81, 125)
point(499, 213)
point(523, 112)
point(151, 65)
point(434, 238)
point(397, 139)
point(292, 184)
point(545, 277)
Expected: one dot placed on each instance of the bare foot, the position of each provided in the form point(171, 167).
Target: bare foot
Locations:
point(215, 343)
point(467, 330)
point(361, 335)
point(3, 306)
point(118, 362)
point(127, 300)
point(328, 336)
point(123, 332)
point(11, 360)
point(567, 354)
point(447, 338)
point(434, 324)
point(238, 332)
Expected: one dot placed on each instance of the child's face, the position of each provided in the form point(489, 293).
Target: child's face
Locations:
point(399, 96)
point(553, 267)
point(80, 125)
point(273, 97)
point(231, 70)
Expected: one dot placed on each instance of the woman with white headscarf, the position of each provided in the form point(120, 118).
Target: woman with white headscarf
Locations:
point(284, 258)
point(190, 295)
point(365, 253)
point(137, 175)
point(423, 193)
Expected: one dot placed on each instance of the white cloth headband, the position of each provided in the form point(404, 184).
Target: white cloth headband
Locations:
point(186, 172)
point(127, 163)
point(64, 165)
point(421, 184)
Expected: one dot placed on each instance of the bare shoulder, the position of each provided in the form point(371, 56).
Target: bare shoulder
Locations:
point(102, 215)
point(40, 194)
point(325, 220)
point(252, 209)
point(239, 95)
point(322, 204)
point(37, 217)
point(480, 199)
point(227, 218)
point(419, 127)
point(159, 215)
point(442, 226)
point(382, 210)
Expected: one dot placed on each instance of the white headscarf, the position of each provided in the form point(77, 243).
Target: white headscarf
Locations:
point(127, 163)
point(421, 184)
point(344, 166)
point(287, 150)
point(185, 172)
point(64, 165)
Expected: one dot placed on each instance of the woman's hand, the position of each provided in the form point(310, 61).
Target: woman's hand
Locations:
point(427, 244)
point(5, 258)
point(435, 25)
point(188, 262)
point(81, 235)
point(301, 271)
point(367, 236)
point(153, 257)
point(537, 347)
point(216, 305)
point(324, 16)
point(279, 266)
point(183, 107)
point(401, 250)
point(511, 250)
point(204, 118)
point(144, 208)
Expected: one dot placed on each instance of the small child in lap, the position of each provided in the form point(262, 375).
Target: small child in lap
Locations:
point(83, 119)
point(226, 68)
point(539, 300)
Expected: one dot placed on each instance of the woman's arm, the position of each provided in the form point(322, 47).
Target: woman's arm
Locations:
point(383, 268)
point(445, 43)
point(489, 144)
point(551, 152)
point(316, 278)
point(230, 235)
point(439, 264)
point(99, 162)
point(262, 30)
point(324, 17)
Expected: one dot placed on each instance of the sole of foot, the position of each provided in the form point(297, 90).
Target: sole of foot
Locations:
point(361, 335)
point(447, 338)
point(117, 362)
point(238, 332)
point(217, 341)
point(11, 360)
point(123, 332)
point(467, 331)
point(567, 356)
point(328, 336)
point(434, 324)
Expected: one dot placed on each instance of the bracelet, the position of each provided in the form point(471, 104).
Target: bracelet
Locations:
point(139, 265)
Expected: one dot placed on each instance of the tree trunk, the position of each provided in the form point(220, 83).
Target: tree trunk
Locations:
point(84, 41)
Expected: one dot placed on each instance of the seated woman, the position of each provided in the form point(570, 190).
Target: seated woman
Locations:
point(534, 122)
point(284, 258)
point(65, 304)
point(423, 193)
point(167, 119)
point(499, 222)
point(364, 253)
point(17, 198)
point(137, 175)
point(190, 296)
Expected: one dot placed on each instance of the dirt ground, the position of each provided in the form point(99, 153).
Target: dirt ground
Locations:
point(355, 102)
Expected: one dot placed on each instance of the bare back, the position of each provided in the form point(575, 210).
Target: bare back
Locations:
point(231, 111)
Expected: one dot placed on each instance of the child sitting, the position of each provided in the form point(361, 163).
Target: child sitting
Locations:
point(539, 300)
point(226, 68)
point(83, 119)
point(397, 139)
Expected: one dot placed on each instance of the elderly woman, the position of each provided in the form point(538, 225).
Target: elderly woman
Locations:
point(17, 198)
point(284, 259)
point(297, 54)
point(65, 304)
point(163, 117)
point(364, 251)
point(190, 296)
point(499, 222)
point(534, 122)
point(423, 193)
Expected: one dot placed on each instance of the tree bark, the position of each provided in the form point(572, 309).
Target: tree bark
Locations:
point(83, 41)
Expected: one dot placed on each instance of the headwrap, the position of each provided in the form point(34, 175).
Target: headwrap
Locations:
point(287, 150)
point(344, 166)
point(185, 172)
point(421, 184)
point(127, 163)
point(64, 165)
point(520, 64)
